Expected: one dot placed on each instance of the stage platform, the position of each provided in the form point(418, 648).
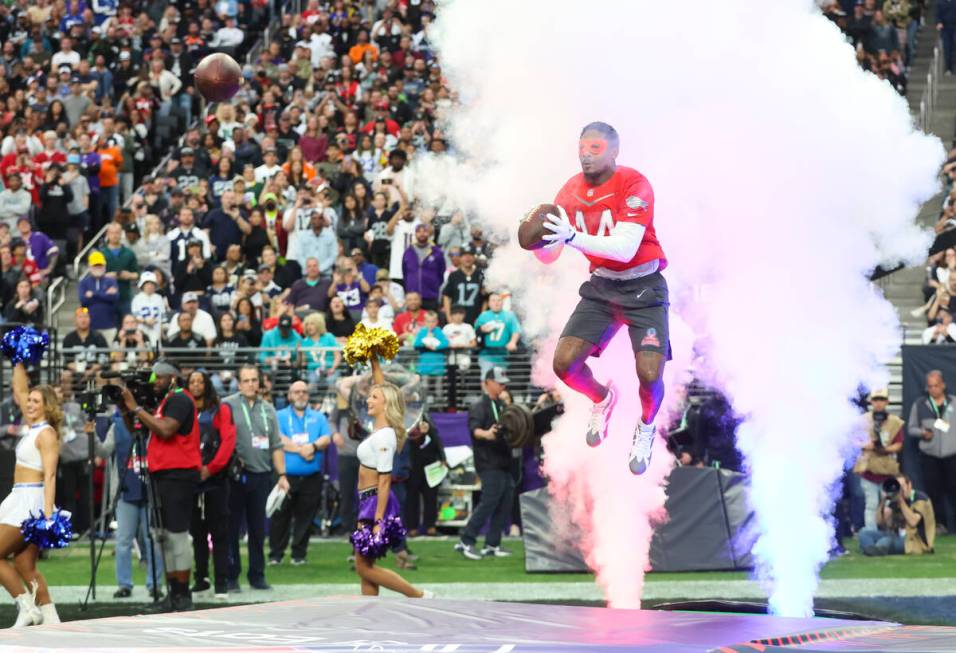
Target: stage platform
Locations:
point(445, 626)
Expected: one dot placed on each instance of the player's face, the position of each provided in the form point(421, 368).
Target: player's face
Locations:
point(595, 153)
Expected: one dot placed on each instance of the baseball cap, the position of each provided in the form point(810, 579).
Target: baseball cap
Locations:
point(264, 267)
point(147, 277)
point(131, 227)
point(881, 393)
point(190, 297)
point(497, 374)
point(468, 248)
point(186, 151)
point(124, 56)
point(285, 322)
point(250, 274)
point(164, 368)
point(96, 258)
point(211, 119)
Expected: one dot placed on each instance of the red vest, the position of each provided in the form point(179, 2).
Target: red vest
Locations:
point(179, 451)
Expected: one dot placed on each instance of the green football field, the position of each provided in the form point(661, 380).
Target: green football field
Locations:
point(906, 589)
point(439, 563)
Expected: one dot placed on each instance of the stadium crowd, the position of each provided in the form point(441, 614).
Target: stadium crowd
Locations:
point(280, 220)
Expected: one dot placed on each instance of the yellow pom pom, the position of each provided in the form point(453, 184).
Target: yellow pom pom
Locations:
point(365, 344)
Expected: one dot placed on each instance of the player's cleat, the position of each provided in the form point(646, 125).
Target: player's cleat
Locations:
point(640, 457)
point(600, 417)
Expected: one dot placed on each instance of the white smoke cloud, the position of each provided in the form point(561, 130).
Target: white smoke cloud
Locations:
point(782, 174)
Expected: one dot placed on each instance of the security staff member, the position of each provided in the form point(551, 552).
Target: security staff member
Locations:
point(305, 435)
point(173, 460)
point(259, 450)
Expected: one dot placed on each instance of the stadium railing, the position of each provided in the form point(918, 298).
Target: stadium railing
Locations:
point(455, 390)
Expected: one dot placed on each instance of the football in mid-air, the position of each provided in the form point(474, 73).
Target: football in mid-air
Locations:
point(531, 231)
point(217, 77)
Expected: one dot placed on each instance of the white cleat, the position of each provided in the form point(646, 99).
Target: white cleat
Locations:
point(640, 457)
point(601, 417)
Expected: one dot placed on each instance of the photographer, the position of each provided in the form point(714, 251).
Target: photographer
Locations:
point(493, 462)
point(174, 463)
point(877, 462)
point(905, 521)
point(130, 346)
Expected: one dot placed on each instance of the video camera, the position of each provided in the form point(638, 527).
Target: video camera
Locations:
point(138, 382)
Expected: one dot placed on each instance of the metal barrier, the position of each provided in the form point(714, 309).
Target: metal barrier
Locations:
point(455, 389)
point(930, 95)
point(53, 303)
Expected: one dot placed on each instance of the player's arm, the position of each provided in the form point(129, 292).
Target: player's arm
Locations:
point(624, 239)
point(621, 244)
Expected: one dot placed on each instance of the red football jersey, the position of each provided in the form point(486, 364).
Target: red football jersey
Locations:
point(625, 197)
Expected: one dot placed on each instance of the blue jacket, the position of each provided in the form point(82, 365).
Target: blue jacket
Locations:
point(308, 428)
point(101, 304)
point(130, 484)
point(426, 276)
point(946, 12)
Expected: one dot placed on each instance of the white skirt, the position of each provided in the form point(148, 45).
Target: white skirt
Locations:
point(24, 501)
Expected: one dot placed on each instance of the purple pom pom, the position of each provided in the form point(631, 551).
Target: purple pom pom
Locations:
point(375, 545)
point(53, 533)
point(24, 345)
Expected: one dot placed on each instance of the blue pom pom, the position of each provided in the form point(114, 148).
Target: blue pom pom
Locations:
point(53, 533)
point(24, 345)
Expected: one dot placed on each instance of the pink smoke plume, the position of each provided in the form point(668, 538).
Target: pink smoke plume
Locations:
point(782, 174)
point(615, 511)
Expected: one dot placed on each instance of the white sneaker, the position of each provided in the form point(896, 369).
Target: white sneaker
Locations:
point(27, 612)
point(495, 552)
point(600, 417)
point(49, 613)
point(639, 459)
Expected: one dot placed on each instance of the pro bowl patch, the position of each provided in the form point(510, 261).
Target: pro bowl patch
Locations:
point(636, 203)
point(651, 339)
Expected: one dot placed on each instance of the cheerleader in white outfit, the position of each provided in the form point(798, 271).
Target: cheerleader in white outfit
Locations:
point(34, 486)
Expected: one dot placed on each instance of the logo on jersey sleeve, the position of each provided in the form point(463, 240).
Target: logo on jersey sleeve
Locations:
point(636, 203)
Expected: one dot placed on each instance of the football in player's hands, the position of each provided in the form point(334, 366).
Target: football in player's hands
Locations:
point(531, 231)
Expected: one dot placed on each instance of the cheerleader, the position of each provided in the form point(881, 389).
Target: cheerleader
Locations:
point(379, 525)
point(34, 488)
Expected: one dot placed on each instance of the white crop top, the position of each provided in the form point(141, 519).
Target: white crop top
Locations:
point(28, 455)
point(378, 450)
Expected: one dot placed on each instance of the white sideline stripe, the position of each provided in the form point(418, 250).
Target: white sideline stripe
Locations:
point(557, 591)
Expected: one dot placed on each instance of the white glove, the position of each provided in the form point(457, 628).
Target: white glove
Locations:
point(560, 228)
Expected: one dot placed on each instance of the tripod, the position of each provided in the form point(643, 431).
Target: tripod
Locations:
point(138, 454)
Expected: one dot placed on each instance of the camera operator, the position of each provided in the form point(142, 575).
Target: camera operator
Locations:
point(493, 462)
point(174, 461)
point(905, 521)
point(877, 462)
